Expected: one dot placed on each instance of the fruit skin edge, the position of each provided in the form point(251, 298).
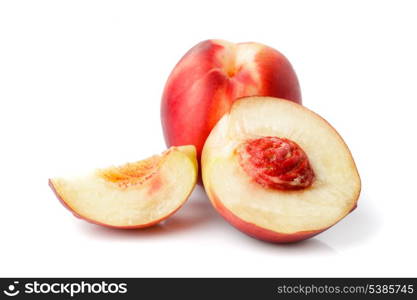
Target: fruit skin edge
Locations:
point(140, 226)
point(264, 234)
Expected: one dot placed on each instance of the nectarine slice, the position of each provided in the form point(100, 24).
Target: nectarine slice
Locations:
point(278, 171)
point(134, 195)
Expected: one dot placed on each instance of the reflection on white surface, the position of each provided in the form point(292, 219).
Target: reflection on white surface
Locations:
point(356, 228)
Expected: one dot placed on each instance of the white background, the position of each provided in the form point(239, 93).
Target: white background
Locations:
point(80, 88)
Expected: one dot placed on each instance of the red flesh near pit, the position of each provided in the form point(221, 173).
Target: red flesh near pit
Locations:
point(276, 163)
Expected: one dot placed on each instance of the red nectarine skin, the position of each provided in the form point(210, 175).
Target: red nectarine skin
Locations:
point(277, 76)
point(258, 232)
point(201, 89)
point(276, 163)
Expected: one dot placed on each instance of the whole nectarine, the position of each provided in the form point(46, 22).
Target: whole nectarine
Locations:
point(206, 81)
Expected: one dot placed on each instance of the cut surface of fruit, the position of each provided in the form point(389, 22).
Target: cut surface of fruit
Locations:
point(284, 144)
point(133, 195)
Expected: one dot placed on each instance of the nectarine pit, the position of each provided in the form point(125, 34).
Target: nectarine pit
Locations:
point(276, 163)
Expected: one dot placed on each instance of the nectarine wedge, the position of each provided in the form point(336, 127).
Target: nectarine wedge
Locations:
point(134, 195)
point(277, 171)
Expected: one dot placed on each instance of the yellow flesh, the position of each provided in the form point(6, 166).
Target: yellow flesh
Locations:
point(119, 196)
point(333, 193)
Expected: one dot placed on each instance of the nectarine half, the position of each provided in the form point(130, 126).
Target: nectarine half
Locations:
point(278, 171)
